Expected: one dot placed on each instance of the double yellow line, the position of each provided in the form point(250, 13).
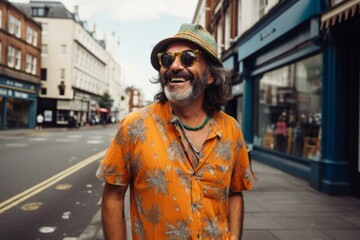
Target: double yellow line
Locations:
point(15, 200)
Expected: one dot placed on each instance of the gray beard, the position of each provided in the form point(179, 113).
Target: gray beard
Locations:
point(198, 86)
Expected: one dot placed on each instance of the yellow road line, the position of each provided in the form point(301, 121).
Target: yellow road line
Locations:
point(15, 200)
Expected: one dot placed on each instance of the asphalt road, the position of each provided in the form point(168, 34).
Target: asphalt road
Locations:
point(48, 188)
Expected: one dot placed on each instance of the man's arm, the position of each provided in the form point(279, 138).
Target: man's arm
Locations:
point(112, 211)
point(236, 215)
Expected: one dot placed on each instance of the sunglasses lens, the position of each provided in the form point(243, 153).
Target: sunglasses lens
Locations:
point(166, 60)
point(188, 58)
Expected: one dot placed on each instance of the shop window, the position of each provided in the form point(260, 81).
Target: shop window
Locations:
point(62, 116)
point(289, 109)
point(17, 113)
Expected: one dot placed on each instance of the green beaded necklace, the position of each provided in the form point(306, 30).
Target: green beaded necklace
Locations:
point(195, 128)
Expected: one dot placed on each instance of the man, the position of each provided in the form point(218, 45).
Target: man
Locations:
point(185, 161)
point(39, 121)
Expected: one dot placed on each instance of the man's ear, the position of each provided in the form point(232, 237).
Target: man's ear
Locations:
point(211, 79)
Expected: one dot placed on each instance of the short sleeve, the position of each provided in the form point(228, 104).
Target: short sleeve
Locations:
point(115, 167)
point(241, 177)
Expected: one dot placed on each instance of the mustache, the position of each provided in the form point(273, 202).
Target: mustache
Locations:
point(183, 74)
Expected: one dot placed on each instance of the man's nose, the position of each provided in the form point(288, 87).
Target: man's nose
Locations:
point(176, 66)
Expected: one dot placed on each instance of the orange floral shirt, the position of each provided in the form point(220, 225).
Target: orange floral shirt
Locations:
point(169, 199)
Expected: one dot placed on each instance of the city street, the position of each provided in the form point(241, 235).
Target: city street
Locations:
point(47, 181)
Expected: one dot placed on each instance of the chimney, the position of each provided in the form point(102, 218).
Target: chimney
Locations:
point(76, 9)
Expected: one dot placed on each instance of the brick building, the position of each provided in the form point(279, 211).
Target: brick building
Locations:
point(20, 56)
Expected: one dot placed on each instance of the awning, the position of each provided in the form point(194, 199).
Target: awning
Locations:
point(104, 110)
point(340, 12)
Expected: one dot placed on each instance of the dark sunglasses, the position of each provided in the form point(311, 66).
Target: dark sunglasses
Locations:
point(187, 58)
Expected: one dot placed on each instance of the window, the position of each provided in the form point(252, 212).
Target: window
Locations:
point(11, 56)
point(62, 73)
point(17, 28)
point(28, 63)
point(219, 37)
point(44, 49)
point(17, 58)
point(11, 24)
point(45, 28)
point(29, 34)
point(43, 91)
point(1, 18)
point(43, 74)
point(34, 65)
point(239, 14)
point(35, 38)
point(38, 11)
point(262, 5)
point(289, 109)
point(63, 49)
point(227, 29)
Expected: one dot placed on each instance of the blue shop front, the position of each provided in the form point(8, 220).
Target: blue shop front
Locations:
point(283, 93)
point(17, 104)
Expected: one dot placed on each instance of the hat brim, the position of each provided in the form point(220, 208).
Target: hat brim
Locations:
point(162, 45)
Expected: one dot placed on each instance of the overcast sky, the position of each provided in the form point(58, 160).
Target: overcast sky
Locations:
point(139, 24)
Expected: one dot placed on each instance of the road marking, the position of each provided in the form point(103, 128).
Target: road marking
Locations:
point(67, 140)
point(94, 141)
point(17, 145)
point(15, 200)
point(31, 206)
point(37, 139)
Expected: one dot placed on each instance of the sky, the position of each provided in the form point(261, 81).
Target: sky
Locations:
point(139, 25)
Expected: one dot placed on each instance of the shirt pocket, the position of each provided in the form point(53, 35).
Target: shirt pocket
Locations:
point(216, 183)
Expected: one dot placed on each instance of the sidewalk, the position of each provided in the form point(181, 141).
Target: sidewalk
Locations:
point(283, 207)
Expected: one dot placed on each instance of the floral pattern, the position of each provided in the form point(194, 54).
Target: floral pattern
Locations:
point(173, 200)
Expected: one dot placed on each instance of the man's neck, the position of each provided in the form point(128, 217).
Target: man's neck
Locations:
point(191, 111)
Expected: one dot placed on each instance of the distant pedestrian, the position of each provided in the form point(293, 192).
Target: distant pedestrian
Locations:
point(39, 122)
point(185, 160)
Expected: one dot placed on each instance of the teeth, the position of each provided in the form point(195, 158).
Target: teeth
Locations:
point(178, 80)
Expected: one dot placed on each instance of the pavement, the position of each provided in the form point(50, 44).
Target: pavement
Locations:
point(283, 207)
point(279, 207)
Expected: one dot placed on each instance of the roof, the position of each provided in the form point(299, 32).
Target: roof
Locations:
point(51, 9)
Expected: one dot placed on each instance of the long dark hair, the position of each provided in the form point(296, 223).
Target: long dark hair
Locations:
point(217, 94)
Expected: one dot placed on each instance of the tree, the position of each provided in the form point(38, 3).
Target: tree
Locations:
point(105, 100)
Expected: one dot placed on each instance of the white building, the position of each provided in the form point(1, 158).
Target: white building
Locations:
point(76, 66)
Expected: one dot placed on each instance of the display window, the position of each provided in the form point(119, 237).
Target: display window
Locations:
point(17, 113)
point(288, 115)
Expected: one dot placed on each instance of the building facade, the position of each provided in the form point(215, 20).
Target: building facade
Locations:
point(20, 56)
point(76, 66)
point(295, 82)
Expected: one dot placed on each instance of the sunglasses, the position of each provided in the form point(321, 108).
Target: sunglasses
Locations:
point(187, 58)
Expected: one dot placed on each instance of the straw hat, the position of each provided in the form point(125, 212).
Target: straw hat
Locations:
point(193, 33)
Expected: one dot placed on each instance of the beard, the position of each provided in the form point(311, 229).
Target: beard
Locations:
point(176, 94)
